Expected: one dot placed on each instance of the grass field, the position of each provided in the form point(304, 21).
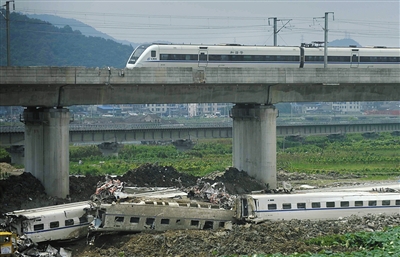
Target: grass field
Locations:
point(371, 158)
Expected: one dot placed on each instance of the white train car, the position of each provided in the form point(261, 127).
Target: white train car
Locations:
point(240, 56)
point(52, 223)
point(315, 205)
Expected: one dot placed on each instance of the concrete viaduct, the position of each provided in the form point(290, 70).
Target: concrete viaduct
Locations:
point(47, 91)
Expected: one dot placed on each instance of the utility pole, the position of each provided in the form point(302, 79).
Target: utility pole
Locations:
point(276, 31)
point(326, 39)
point(8, 28)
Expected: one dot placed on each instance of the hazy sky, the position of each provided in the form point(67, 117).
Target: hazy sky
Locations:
point(219, 21)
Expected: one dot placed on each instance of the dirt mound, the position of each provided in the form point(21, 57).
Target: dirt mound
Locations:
point(26, 191)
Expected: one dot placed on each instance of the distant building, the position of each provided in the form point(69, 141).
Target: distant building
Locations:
point(346, 107)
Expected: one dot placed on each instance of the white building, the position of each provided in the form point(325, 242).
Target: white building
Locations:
point(346, 107)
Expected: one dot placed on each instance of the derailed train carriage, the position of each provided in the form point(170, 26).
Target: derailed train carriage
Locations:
point(315, 205)
point(170, 209)
point(51, 223)
point(160, 215)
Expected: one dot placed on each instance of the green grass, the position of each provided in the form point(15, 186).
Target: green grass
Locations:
point(377, 158)
point(374, 244)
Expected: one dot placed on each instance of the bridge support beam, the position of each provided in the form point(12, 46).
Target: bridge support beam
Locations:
point(254, 141)
point(47, 148)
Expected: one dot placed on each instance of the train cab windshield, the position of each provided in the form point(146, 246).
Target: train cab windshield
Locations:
point(137, 52)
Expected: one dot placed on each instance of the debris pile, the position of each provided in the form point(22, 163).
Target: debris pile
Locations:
point(25, 191)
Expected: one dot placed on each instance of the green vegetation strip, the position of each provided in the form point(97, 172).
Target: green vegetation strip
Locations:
point(379, 243)
point(352, 154)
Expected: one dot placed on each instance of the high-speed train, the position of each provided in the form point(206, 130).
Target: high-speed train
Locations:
point(234, 55)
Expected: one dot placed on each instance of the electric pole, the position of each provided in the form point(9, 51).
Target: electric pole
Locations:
point(326, 38)
point(276, 31)
point(8, 28)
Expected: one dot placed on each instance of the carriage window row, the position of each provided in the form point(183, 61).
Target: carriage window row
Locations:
point(288, 206)
point(271, 58)
point(56, 224)
point(230, 58)
point(150, 221)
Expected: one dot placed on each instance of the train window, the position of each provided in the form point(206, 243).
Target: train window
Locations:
point(54, 224)
point(286, 206)
point(221, 224)
point(301, 205)
point(119, 219)
point(272, 206)
point(248, 58)
point(358, 203)
point(288, 58)
point(69, 222)
point(316, 205)
point(385, 202)
point(397, 202)
point(330, 204)
point(153, 53)
point(191, 57)
point(83, 220)
point(338, 58)
point(344, 204)
point(165, 221)
point(236, 58)
point(194, 223)
point(271, 58)
point(38, 227)
point(208, 225)
point(371, 203)
point(225, 58)
point(150, 221)
point(214, 57)
point(134, 220)
point(194, 205)
point(311, 58)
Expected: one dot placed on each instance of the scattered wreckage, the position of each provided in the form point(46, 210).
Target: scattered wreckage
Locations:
point(135, 209)
point(114, 207)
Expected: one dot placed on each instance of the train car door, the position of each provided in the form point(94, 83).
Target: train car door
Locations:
point(203, 58)
point(354, 60)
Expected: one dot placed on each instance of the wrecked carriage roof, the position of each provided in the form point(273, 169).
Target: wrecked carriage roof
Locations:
point(39, 212)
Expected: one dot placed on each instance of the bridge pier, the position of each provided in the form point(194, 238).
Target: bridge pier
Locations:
point(254, 141)
point(17, 154)
point(47, 148)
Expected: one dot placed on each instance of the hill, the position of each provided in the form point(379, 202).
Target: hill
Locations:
point(38, 43)
point(344, 42)
point(85, 29)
